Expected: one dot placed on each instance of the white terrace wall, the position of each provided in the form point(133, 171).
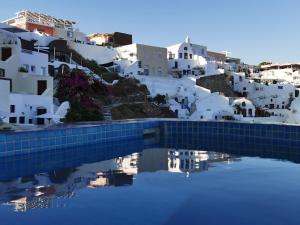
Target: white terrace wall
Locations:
point(101, 55)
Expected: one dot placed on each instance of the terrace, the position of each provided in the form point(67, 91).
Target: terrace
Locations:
point(26, 16)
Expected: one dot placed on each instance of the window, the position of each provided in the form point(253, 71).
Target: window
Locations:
point(41, 86)
point(43, 71)
point(6, 53)
point(191, 56)
point(33, 68)
point(189, 66)
point(70, 34)
point(30, 121)
point(280, 87)
point(12, 119)
point(159, 71)
point(243, 104)
point(21, 119)
point(185, 55)
point(185, 48)
point(2, 72)
point(12, 108)
point(180, 55)
point(140, 64)
point(176, 65)
point(146, 70)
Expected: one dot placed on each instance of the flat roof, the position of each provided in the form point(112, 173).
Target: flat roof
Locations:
point(41, 17)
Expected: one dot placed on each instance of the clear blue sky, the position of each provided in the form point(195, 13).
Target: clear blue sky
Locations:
point(255, 30)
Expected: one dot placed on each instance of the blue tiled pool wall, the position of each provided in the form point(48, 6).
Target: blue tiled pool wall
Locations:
point(231, 136)
point(28, 164)
point(14, 143)
point(215, 136)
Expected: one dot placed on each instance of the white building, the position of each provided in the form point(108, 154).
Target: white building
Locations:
point(213, 107)
point(27, 96)
point(187, 59)
point(264, 95)
point(278, 75)
point(244, 107)
point(138, 59)
point(294, 116)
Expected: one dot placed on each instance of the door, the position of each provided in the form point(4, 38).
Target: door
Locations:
point(250, 112)
point(244, 112)
point(21, 120)
point(41, 111)
point(42, 86)
point(146, 70)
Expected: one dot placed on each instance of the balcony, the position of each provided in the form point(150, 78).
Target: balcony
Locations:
point(26, 51)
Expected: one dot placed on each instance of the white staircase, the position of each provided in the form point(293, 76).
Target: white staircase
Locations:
point(107, 113)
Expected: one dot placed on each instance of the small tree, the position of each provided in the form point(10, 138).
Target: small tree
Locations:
point(160, 99)
point(264, 64)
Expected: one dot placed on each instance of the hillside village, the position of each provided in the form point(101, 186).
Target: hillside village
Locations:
point(51, 72)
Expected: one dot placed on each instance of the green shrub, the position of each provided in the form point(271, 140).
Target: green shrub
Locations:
point(110, 77)
point(160, 99)
point(129, 86)
point(23, 70)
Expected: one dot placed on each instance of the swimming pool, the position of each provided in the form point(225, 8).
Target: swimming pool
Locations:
point(150, 181)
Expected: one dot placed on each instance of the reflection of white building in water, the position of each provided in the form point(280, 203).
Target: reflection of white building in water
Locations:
point(46, 190)
point(178, 161)
point(187, 161)
point(181, 161)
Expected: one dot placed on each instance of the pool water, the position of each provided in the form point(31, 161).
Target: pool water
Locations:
point(133, 183)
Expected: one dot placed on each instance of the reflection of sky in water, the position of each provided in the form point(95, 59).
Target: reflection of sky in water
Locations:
point(154, 186)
